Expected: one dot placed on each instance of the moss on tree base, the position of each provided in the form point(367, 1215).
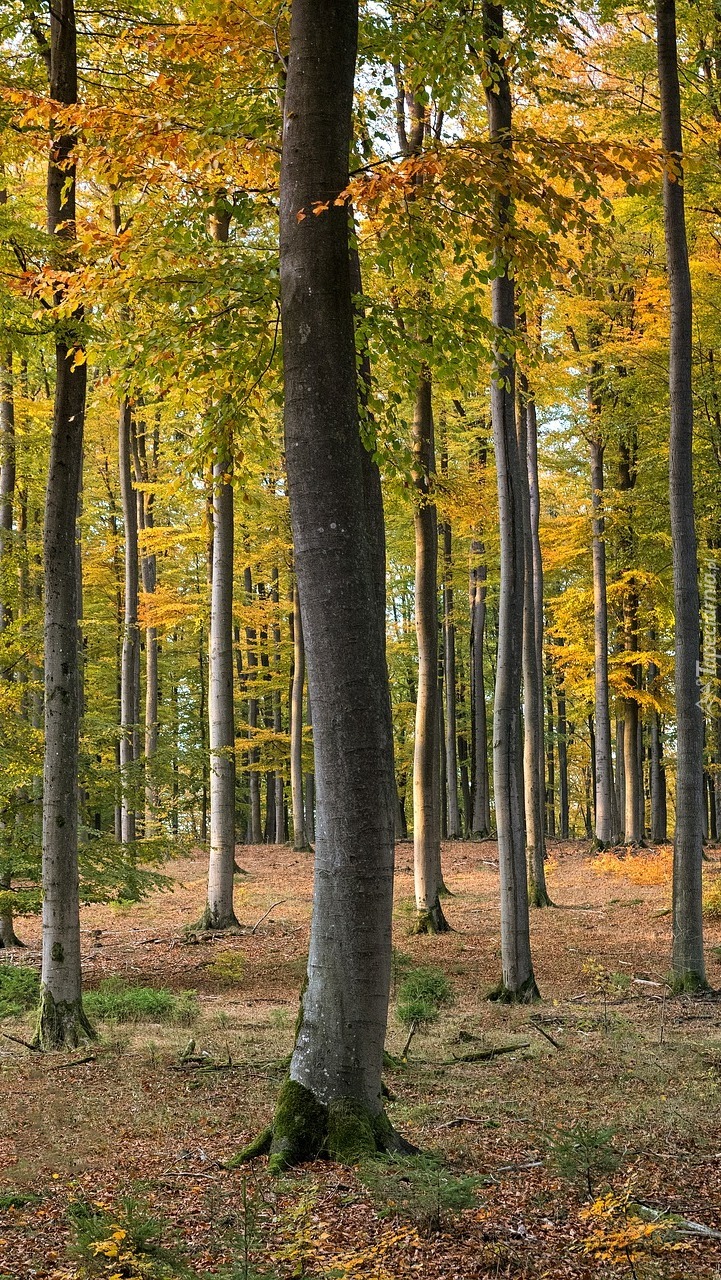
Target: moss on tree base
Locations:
point(61, 1024)
point(688, 983)
point(527, 993)
point(304, 1129)
point(431, 921)
point(538, 897)
point(211, 922)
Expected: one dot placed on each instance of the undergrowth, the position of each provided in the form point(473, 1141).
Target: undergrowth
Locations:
point(118, 1001)
point(421, 995)
point(19, 989)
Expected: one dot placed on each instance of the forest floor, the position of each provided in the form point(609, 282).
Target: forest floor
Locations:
point(114, 1166)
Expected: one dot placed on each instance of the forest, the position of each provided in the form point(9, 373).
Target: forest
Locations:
point(360, 640)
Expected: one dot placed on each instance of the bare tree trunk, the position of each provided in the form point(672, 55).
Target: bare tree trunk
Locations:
point(300, 841)
point(606, 812)
point(280, 833)
point(61, 1018)
point(130, 660)
point(550, 752)
point(145, 472)
point(254, 821)
point(518, 981)
point(8, 937)
point(632, 832)
point(449, 664)
point(562, 725)
point(337, 1060)
point(481, 819)
point(532, 658)
point(688, 959)
point(426, 754)
point(219, 912)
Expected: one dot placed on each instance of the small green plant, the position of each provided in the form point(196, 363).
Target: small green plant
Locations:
point(118, 1001)
point(712, 900)
point(19, 989)
point(17, 1199)
point(227, 968)
point(125, 1241)
point(582, 1153)
point(421, 995)
point(417, 1189)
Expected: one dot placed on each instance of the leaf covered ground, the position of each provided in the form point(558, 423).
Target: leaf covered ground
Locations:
point(584, 1152)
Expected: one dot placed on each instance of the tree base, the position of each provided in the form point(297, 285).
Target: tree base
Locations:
point(528, 993)
point(61, 1025)
point(689, 983)
point(431, 920)
point(304, 1129)
point(8, 936)
point(212, 922)
point(539, 896)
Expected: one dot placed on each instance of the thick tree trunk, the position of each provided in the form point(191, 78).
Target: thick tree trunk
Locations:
point(219, 912)
point(61, 1019)
point(332, 1100)
point(606, 822)
point(300, 841)
point(426, 752)
point(688, 959)
point(532, 658)
point(130, 660)
point(518, 982)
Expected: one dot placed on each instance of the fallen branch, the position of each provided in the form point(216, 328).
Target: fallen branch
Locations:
point(25, 1043)
point(279, 903)
point(407, 1045)
point(485, 1055)
point(76, 1062)
point(684, 1225)
point(537, 1027)
point(459, 1120)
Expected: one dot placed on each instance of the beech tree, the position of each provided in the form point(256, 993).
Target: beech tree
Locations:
point(61, 1019)
point(332, 1098)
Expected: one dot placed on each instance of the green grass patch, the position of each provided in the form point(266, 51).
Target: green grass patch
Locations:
point(19, 989)
point(227, 968)
point(118, 1001)
point(422, 994)
point(417, 1189)
point(17, 1199)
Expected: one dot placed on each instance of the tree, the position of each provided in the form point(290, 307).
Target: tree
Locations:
point(332, 1099)
point(687, 958)
point(518, 981)
point(61, 1019)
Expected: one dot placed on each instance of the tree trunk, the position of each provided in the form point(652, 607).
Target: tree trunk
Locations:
point(300, 841)
point(562, 725)
point(481, 818)
point(335, 1073)
point(61, 1018)
point(130, 660)
point(426, 752)
point(145, 471)
point(219, 912)
point(280, 833)
point(309, 782)
point(688, 960)
point(632, 831)
point(8, 937)
point(550, 753)
point(518, 982)
point(449, 664)
point(254, 818)
point(606, 821)
point(532, 657)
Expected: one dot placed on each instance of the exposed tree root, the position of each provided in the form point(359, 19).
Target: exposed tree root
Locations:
point(432, 920)
point(304, 1129)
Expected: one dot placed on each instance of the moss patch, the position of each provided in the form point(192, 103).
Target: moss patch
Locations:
point(351, 1131)
point(300, 1127)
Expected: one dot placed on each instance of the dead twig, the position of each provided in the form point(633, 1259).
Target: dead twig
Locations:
point(76, 1062)
point(537, 1027)
point(407, 1045)
point(279, 903)
point(25, 1043)
point(485, 1055)
point(459, 1120)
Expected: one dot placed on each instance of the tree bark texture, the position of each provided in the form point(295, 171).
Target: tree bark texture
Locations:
point(300, 841)
point(606, 824)
point(687, 959)
point(61, 1018)
point(518, 982)
point(130, 658)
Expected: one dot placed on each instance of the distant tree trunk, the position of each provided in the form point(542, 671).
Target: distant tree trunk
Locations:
point(632, 831)
point(550, 752)
point(300, 841)
point(426, 756)
point(338, 1056)
point(254, 819)
point(606, 820)
point(219, 912)
point(449, 664)
point(8, 937)
point(532, 658)
point(518, 982)
point(309, 782)
point(688, 959)
point(280, 833)
point(145, 469)
point(481, 818)
point(562, 724)
point(130, 660)
point(61, 1018)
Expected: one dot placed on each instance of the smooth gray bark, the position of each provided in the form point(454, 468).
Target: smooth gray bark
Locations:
point(254, 820)
point(606, 813)
point(219, 911)
point(518, 982)
point(339, 1048)
point(300, 840)
point(449, 668)
point(130, 659)
point(481, 817)
point(61, 1018)
point(688, 959)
